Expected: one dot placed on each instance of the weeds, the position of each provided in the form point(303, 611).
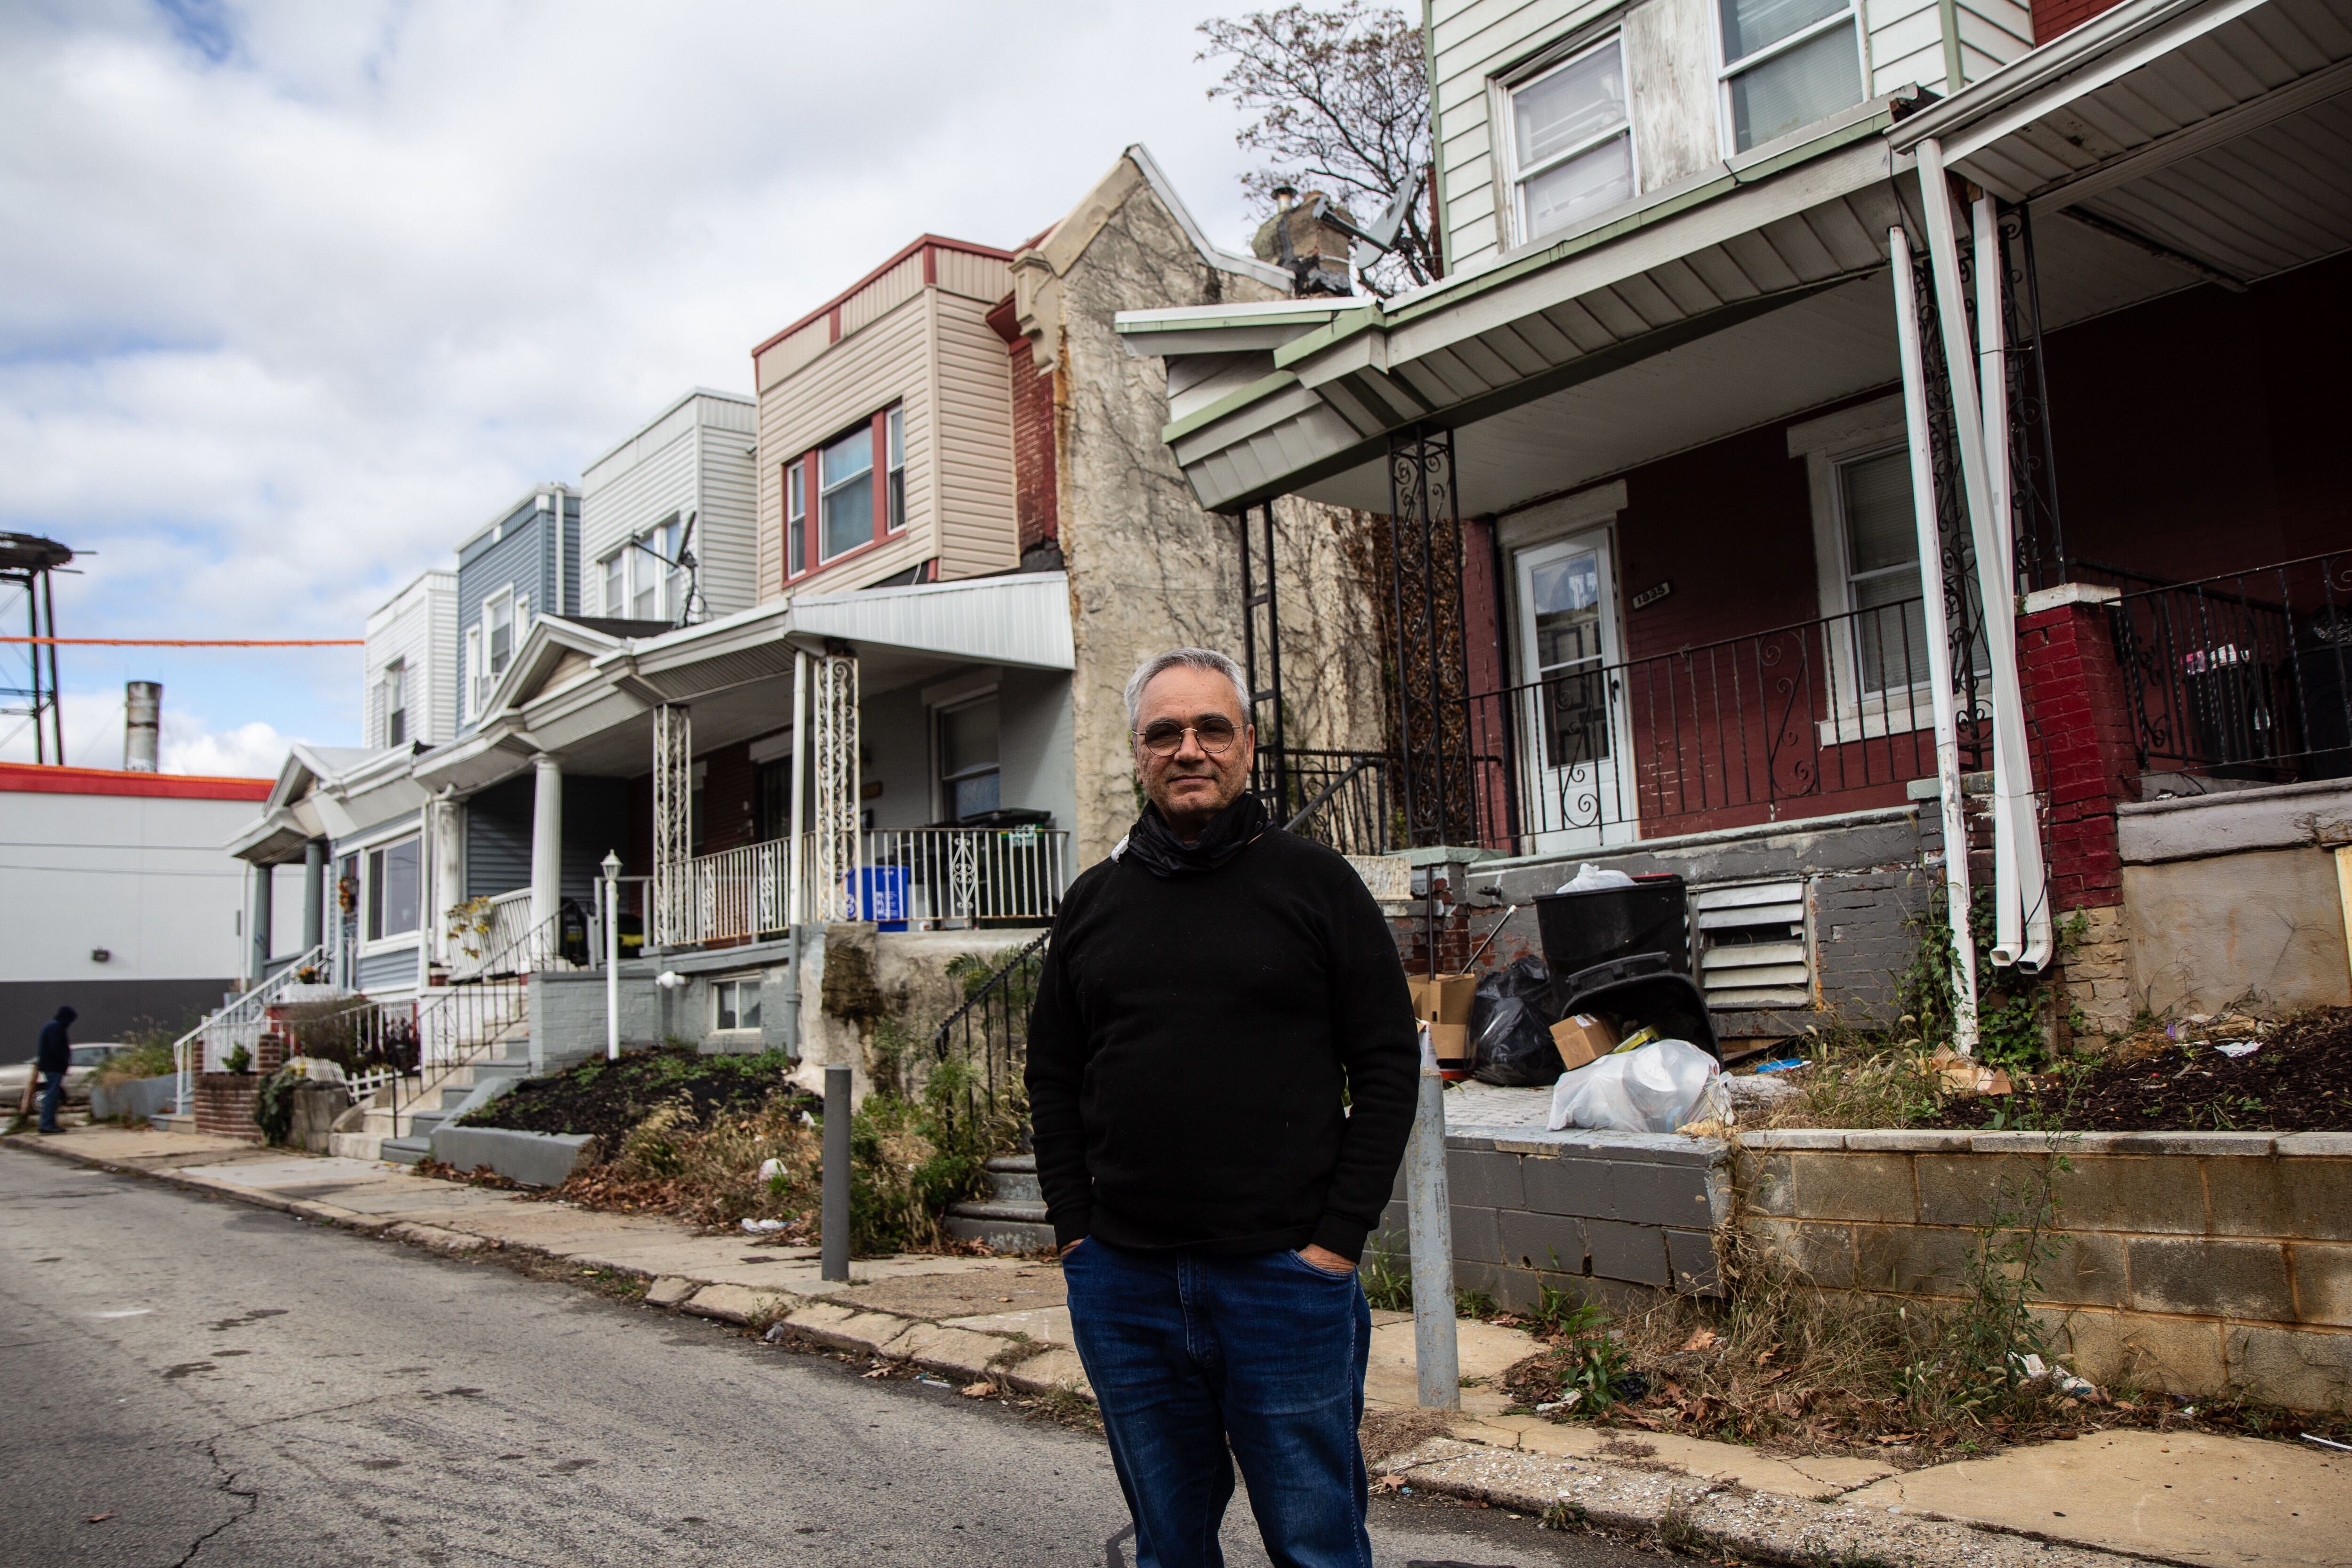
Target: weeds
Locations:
point(1387, 1281)
point(911, 1157)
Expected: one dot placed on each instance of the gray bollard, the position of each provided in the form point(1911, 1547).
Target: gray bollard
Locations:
point(1436, 1357)
point(836, 1173)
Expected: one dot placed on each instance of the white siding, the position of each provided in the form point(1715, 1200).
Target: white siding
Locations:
point(146, 878)
point(418, 628)
point(696, 458)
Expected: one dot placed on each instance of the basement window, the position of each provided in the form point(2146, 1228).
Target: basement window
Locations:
point(1752, 951)
point(735, 1004)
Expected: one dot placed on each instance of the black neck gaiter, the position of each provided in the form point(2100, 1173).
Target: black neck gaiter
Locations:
point(1155, 845)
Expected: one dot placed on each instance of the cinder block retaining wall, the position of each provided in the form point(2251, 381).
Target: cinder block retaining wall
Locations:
point(1595, 1214)
point(2204, 1263)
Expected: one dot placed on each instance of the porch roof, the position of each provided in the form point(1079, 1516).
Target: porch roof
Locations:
point(330, 792)
point(2217, 131)
point(2184, 141)
point(586, 698)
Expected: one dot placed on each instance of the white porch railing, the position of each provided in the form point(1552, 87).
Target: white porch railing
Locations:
point(922, 875)
point(496, 935)
point(206, 1048)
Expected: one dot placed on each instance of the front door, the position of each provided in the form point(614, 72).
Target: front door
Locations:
point(1574, 740)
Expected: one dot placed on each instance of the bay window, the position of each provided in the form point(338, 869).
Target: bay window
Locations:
point(1571, 148)
point(1787, 63)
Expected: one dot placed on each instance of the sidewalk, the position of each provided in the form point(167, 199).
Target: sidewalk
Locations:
point(2190, 1498)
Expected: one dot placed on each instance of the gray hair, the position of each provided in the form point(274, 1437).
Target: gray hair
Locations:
point(1206, 659)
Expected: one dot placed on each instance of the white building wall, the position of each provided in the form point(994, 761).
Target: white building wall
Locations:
point(417, 627)
point(694, 457)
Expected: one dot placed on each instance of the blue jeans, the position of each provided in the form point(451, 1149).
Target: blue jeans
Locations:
point(1189, 1353)
point(52, 1091)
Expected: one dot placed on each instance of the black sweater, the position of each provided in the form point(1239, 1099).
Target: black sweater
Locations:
point(1189, 1045)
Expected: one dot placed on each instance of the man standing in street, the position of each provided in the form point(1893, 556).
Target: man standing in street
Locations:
point(1221, 1075)
point(56, 1054)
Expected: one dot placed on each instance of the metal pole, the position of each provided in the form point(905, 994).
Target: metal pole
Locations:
point(836, 1173)
point(610, 890)
point(1939, 645)
point(1429, 1225)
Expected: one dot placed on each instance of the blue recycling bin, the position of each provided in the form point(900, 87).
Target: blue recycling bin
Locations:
point(878, 893)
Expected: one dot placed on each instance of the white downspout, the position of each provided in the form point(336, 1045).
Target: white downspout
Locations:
point(800, 777)
point(1992, 356)
point(2017, 839)
point(1939, 648)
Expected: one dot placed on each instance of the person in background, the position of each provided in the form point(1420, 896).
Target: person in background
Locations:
point(1223, 1070)
point(55, 1055)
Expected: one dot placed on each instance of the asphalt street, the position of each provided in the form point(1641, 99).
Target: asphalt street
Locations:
point(189, 1380)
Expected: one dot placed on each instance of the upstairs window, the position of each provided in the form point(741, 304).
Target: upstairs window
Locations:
point(1571, 148)
point(652, 566)
point(846, 496)
point(395, 702)
point(499, 627)
point(795, 518)
point(897, 516)
point(1787, 63)
point(616, 582)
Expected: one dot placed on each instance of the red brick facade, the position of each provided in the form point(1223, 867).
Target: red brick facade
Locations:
point(1036, 502)
point(2083, 756)
point(225, 1104)
point(2052, 18)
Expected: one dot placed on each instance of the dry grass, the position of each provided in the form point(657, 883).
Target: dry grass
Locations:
point(709, 1175)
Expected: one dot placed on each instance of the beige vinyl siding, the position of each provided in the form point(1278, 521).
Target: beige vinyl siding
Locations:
point(782, 358)
point(882, 295)
point(727, 538)
point(1906, 41)
point(886, 363)
point(975, 277)
point(979, 530)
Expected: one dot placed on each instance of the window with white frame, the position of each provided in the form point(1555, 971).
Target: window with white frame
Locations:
point(735, 1003)
point(475, 689)
point(1880, 563)
point(395, 879)
point(1572, 147)
point(895, 518)
point(614, 568)
point(968, 783)
point(395, 702)
point(796, 518)
point(1787, 63)
point(656, 581)
point(504, 615)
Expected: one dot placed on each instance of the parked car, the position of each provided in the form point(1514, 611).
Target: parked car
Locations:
point(86, 1061)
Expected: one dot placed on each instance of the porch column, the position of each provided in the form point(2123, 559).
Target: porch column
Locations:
point(448, 874)
point(546, 839)
point(261, 921)
point(314, 893)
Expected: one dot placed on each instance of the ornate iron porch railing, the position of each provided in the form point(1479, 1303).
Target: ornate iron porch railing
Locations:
point(988, 1037)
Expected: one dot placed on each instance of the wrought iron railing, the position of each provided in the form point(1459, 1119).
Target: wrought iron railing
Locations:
point(429, 1037)
point(1827, 715)
point(206, 1047)
point(987, 1037)
point(2244, 675)
point(921, 875)
point(1342, 799)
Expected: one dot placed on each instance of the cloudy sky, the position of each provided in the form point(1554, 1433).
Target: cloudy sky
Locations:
point(293, 297)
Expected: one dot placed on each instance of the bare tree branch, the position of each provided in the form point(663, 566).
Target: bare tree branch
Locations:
point(1338, 101)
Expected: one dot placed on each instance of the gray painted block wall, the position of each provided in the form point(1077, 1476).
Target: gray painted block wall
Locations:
point(1592, 1214)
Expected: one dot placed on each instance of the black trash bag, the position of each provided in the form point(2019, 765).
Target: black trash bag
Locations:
point(1511, 1028)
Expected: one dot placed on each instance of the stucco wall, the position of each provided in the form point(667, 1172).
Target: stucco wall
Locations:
point(1148, 568)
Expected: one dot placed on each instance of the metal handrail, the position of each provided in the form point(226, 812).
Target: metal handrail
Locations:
point(993, 995)
point(235, 1014)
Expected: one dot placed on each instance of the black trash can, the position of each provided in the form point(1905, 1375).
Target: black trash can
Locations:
point(1640, 991)
point(1578, 930)
point(2322, 671)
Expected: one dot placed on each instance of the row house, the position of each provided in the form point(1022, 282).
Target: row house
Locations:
point(1843, 429)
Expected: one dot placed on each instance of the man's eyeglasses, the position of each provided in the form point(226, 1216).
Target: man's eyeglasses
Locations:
point(1165, 738)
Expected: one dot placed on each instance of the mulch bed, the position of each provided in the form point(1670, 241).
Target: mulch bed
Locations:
point(608, 1099)
point(2298, 1079)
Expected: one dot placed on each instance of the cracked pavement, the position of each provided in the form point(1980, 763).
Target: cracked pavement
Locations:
point(232, 1384)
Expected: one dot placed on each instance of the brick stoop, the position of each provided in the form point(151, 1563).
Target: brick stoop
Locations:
point(225, 1103)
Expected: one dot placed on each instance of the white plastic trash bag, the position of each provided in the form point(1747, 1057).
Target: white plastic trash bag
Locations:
point(1589, 877)
point(1653, 1088)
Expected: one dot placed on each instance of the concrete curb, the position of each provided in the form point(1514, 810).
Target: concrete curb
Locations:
point(1691, 1512)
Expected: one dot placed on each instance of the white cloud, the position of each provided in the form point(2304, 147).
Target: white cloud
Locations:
point(298, 295)
point(93, 727)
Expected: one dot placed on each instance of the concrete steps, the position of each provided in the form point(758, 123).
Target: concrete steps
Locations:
point(1011, 1217)
point(442, 1099)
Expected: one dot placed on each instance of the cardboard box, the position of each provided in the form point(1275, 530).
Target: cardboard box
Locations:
point(1582, 1037)
point(1442, 1002)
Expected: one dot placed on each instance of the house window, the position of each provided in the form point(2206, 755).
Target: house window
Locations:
point(616, 582)
point(393, 880)
point(395, 704)
point(795, 518)
point(968, 778)
point(897, 516)
point(1882, 570)
point(498, 629)
point(734, 1004)
point(476, 687)
point(1571, 149)
point(846, 499)
point(1787, 63)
